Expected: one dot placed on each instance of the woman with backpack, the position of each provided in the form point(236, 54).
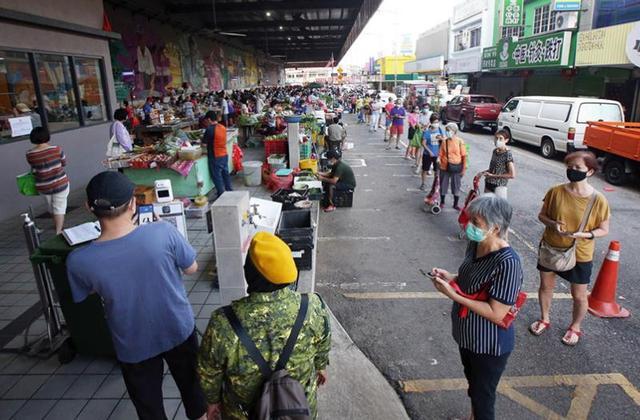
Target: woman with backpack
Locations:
point(453, 161)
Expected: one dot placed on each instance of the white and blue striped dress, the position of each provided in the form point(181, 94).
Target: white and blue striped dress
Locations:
point(500, 273)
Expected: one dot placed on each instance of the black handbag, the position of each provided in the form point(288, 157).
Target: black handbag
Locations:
point(453, 168)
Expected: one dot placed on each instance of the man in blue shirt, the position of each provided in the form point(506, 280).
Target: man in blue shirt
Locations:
point(431, 139)
point(137, 273)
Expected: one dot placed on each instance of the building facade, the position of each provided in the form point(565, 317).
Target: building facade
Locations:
point(471, 30)
point(55, 67)
point(432, 51)
point(67, 64)
point(552, 52)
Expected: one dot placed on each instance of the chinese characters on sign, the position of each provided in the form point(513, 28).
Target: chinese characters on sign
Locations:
point(550, 50)
point(538, 51)
point(512, 12)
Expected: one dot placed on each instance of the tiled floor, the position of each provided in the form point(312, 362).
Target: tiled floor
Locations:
point(86, 388)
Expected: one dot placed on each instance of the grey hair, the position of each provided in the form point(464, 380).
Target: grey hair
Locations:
point(496, 211)
point(452, 127)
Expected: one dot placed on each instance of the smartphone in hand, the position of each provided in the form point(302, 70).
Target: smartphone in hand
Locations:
point(429, 275)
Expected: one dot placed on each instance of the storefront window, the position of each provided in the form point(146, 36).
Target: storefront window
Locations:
point(58, 97)
point(475, 37)
point(90, 85)
point(615, 12)
point(544, 20)
point(511, 31)
point(17, 96)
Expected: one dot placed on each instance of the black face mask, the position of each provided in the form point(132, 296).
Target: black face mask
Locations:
point(575, 175)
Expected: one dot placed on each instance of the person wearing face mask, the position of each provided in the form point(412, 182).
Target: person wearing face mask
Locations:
point(453, 162)
point(567, 208)
point(501, 168)
point(493, 269)
point(431, 139)
point(414, 141)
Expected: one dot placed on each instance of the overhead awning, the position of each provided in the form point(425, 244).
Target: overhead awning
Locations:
point(426, 65)
point(300, 32)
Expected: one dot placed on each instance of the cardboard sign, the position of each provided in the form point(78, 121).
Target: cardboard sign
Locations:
point(20, 126)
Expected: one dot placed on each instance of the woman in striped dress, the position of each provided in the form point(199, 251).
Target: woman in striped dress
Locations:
point(493, 267)
point(47, 164)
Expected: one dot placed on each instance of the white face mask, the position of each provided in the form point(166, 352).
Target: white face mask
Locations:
point(500, 144)
point(435, 126)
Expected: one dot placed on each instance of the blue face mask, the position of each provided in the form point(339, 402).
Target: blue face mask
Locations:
point(474, 233)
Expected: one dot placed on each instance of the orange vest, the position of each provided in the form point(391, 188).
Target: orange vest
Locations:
point(220, 141)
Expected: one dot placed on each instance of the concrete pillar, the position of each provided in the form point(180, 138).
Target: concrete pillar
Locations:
point(231, 239)
point(293, 137)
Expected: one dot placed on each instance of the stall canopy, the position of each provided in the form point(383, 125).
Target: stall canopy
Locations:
point(300, 32)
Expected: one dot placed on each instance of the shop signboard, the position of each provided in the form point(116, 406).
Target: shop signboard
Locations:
point(20, 126)
point(550, 50)
point(122, 90)
point(605, 46)
point(632, 48)
point(512, 12)
point(566, 5)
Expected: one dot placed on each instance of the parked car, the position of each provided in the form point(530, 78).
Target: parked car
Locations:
point(619, 144)
point(472, 110)
point(555, 123)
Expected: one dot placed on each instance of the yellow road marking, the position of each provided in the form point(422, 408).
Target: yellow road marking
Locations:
point(528, 403)
point(586, 388)
point(427, 295)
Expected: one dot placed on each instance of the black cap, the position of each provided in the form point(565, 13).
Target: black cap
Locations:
point(211, 115)
point(109, 190)
point(333, 154)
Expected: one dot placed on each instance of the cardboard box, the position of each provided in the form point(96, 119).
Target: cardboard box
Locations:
point(144, 195)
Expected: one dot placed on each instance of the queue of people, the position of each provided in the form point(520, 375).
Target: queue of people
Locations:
point(223, 376)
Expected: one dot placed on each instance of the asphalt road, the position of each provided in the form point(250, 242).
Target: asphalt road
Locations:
point(379, 245)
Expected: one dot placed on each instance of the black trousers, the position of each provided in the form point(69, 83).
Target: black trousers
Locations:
point(144, 381)
point(483, 373)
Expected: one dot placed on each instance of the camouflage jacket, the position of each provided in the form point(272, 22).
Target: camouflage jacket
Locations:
point(224, 363)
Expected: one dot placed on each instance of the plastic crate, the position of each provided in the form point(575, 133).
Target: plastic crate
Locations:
point(340, 198)
point(274, 147)
point(296, 224)
point(302, 255)
point(305, 150)
point(284, 196)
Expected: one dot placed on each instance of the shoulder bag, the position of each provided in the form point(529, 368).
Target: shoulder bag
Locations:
point(114, 148)
point(563, 259)
point(453, 168)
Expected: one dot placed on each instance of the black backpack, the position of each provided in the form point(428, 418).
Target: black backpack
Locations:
point(282, 396)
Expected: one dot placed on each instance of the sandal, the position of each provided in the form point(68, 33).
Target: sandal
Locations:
point(539, 327)
point(568, 338)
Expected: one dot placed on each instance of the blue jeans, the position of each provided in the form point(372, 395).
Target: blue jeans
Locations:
point(219, 168)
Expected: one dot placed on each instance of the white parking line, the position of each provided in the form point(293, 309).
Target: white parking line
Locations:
point(353, 238)
point(523, 240)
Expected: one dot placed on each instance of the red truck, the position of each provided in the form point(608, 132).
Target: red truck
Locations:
point(472, 110)
point(619, 144)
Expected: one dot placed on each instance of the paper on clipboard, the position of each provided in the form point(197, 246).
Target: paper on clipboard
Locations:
point(20, 126)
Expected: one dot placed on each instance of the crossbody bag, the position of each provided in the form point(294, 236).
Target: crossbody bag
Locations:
point(563, 259)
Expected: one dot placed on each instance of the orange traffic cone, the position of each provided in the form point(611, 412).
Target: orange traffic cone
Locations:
point(602, 300)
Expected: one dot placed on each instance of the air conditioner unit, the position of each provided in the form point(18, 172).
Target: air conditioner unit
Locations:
point(566, 20)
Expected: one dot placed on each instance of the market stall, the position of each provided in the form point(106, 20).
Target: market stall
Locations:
point(179, 156)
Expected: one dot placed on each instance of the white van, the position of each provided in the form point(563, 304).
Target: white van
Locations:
point(555, 123)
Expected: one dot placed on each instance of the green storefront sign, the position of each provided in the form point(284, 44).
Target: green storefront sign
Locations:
point(512, 12)
point(122, 90)
point(550, 50)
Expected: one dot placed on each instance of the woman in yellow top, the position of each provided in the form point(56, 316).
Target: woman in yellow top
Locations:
point(562, 211)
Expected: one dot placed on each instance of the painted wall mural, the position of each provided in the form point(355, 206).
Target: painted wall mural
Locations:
point(150, 59)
